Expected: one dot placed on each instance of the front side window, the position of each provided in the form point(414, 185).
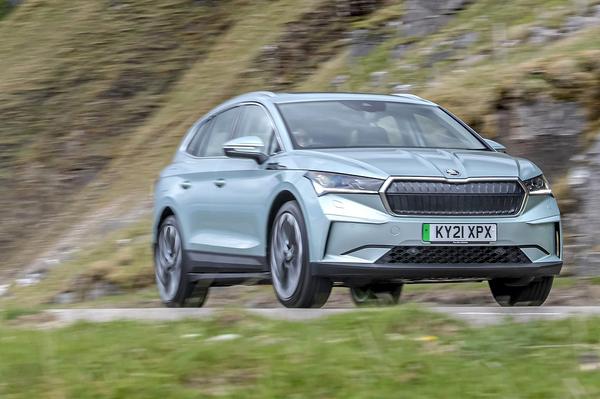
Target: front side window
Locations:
point(221, 130)
point(356, 123)
point(254, 121)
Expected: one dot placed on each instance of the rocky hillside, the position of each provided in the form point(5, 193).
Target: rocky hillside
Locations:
point(94, 97)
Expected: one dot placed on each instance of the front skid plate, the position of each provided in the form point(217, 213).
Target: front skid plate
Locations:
point(424, 271)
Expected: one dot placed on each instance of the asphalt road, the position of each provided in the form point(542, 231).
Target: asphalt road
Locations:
point(475, 315)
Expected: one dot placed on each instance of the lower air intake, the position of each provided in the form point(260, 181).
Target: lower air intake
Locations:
point(454, 254)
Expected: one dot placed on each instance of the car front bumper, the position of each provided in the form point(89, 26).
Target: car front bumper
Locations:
point(356, 232)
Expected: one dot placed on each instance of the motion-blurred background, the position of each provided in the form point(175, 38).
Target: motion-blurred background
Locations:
point(95, 96)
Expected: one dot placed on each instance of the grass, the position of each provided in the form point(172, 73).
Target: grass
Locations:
point(520, 76)
point(207, 51)
point(14, 313)
point(460, 87)
point(74, 86)
point(76, 79)
point(136, 288)
point(403, 352)
point(138, 155)
point(380, 17)
point(122, 259)
point(5, 8)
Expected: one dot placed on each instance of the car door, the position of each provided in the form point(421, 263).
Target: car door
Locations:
point(246, 189)
point(202, 212)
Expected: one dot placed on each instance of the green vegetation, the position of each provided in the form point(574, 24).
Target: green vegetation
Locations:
point(93, 91)
point(95, 96)
point(474, 89)
point(122, 259)
point(378, 19)
point(368, 354)
point(4, 8)
point(15, 313)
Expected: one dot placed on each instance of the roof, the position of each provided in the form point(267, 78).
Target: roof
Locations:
point(280, 97)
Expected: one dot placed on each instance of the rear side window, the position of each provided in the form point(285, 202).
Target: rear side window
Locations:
point(221, 130)
point(254, 121)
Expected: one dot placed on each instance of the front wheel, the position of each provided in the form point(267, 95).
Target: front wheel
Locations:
point(293, 283)
point(508, 293)
point(376, 294)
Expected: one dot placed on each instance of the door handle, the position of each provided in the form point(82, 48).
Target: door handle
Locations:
point(185, 184)
point(219, 182)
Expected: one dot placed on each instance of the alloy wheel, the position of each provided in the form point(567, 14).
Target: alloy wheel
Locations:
point(168, 262)
point(376, 295)
point(361, 295)
point(286, 255)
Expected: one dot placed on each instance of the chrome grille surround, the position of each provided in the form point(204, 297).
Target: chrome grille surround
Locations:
point(461, 184)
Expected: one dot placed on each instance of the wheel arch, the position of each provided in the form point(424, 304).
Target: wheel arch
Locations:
point(165, 213)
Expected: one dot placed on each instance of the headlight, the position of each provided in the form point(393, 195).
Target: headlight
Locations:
point(334, 183)
point(538, 185)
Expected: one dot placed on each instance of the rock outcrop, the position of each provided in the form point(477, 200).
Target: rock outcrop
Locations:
point(424, 17)
point(309, 41)
point(541, 130)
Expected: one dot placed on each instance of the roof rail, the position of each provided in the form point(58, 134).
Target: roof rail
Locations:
point(411, 96)
point(407, 95)
point(251, 95)
point(260, 93)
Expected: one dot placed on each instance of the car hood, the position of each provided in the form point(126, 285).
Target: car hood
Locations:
point(422, 162)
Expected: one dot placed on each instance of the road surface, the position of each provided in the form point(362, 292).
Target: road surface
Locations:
point(475, 315)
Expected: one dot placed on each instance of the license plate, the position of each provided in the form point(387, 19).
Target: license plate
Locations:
point(459, 232)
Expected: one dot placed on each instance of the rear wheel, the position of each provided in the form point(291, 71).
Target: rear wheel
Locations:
point(376, 294)
point(507, 292)
point(174, 287)
point(293, 283)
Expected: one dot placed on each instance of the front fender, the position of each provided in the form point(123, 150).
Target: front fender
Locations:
point(317, 224)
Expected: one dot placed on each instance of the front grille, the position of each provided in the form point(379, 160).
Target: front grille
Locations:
point(454, 254)
point(444, 198)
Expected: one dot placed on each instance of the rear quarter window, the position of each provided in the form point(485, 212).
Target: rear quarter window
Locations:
point(199, 134)
point(221, 130)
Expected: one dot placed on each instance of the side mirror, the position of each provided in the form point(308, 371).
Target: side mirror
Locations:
point(251, 147)
point(495, 145)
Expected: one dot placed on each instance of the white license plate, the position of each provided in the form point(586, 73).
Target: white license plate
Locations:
point(459, 232)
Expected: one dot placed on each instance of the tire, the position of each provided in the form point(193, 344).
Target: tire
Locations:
point(293, 283)
point(532, 294)
point(376, 294)
point(170, 269)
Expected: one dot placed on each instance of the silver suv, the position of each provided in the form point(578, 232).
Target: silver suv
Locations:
point(307, 191)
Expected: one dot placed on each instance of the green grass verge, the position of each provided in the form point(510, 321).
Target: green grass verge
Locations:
point(14, 313)
point(122, 259)
point(402, 352)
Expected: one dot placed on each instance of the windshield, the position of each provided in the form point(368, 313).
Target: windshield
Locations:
point(356, 123)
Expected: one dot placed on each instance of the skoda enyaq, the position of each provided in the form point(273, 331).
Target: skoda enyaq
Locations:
point(307, 191)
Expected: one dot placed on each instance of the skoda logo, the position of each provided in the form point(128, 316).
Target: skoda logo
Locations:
point(452, 172)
